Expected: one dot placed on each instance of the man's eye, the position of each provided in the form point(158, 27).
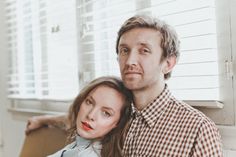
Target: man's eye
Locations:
point(145, 50)
point(123, 51)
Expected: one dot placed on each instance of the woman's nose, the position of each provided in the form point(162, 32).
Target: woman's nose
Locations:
point(92, 114)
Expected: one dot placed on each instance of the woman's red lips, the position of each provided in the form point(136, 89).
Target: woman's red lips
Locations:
point(86, 126)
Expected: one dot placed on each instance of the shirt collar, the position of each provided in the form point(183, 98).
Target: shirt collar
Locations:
point(83, 143)
point(155, 108)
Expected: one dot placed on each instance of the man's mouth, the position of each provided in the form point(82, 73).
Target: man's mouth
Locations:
point(131, 72)
point(86, 126)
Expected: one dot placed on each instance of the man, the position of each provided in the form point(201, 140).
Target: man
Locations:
point(161, 125)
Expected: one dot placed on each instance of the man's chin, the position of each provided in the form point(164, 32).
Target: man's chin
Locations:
point(131, 85)
point(131, 82)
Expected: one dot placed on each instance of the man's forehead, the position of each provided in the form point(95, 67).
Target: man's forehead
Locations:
point(140, 36)
point(142, 29)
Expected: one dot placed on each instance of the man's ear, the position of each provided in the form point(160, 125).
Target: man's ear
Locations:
point(169, 64)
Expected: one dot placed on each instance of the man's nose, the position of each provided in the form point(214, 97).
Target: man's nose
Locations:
point(132, 58)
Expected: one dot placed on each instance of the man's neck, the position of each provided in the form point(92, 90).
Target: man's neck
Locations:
point(144, 96)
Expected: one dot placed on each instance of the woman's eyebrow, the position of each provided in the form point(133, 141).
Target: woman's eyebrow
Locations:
point(109, 108)
point(91, 98)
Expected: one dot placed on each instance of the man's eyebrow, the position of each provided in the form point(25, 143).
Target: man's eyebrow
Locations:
point(122, 45)
point(144, 44)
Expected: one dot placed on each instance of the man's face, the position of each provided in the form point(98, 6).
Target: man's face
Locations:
point(139, 56)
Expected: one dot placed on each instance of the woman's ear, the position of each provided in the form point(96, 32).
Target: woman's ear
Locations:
point(170, 62)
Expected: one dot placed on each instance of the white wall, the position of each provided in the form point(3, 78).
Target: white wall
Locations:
point(11, 127)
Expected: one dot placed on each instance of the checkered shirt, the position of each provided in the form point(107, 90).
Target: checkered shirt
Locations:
point(170, 128)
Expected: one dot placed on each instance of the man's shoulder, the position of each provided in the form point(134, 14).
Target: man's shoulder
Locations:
point(203, 130)
point(189, 112)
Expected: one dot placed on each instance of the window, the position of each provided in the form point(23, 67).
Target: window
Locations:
point(42, 37)
point(98, 22)
point(194, 22)
point(202, 74)
point(57, 46)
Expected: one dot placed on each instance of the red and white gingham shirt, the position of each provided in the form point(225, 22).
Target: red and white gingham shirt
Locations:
point(170, 128)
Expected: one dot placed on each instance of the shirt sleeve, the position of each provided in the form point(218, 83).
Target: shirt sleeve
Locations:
point(208, 141)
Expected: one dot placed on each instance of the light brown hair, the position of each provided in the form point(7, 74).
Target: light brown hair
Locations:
point(169, 38)
point(112, 143)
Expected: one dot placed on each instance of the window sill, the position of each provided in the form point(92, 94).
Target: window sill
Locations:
point(205, 103)
point(35, 107)
point(34, 111)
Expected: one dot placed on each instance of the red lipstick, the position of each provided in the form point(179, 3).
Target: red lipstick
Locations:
point(86, 126)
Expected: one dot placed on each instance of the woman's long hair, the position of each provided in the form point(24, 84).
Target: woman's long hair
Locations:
point(112, 142)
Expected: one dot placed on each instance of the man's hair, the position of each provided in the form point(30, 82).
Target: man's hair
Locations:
point(112, 142)
point(169, 38)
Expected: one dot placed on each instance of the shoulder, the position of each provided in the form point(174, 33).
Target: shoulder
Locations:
point(207, 140)
point(189, 118)
point(188, 111)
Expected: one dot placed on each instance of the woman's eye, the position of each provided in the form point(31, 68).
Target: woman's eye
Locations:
point(88, 102)
point(106, 114)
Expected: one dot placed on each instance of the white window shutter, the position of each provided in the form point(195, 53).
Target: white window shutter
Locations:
point(196, 77)
point(42, 48)
point(99, 22)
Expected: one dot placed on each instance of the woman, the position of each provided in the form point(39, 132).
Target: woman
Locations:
point(97, 118)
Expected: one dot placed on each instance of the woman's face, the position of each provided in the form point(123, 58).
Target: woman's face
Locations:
point(99, 113)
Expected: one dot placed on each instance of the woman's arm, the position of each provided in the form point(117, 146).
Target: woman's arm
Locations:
point(35, 122)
